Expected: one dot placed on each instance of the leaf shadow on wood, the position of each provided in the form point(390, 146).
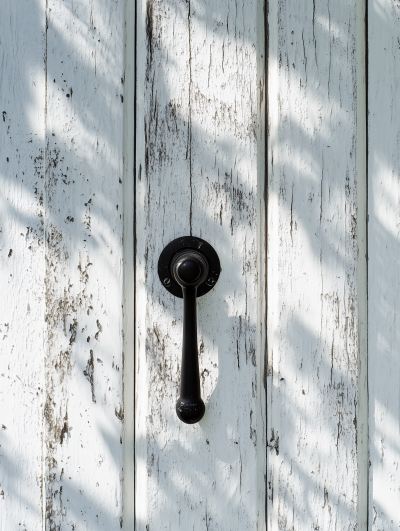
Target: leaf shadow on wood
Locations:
point(72, 220)
point(314, 233)
point(314, 236)
point(305, 197)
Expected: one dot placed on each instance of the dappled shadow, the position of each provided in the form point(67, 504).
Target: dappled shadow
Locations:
point(383, 261)
point(207, 182)
point(63, 193)
point(196, 173)
point(312, 279)
point(22, 92)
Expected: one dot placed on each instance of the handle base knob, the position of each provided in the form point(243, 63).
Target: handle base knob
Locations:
point(190, 410)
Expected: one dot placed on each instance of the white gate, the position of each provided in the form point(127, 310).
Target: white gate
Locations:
point(269, 129)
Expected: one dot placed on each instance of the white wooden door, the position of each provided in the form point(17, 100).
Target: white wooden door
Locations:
point(269, 129)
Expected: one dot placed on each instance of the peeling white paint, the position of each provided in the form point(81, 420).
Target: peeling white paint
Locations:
point(106, 157)
point(22, 129)
point(312, 322)
point(83, 228)
point(196, 173)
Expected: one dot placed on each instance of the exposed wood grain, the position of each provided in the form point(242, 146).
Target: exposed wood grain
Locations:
point(197, 173)
point(22, 142)
point(312, 266)
point(384, 262)
point(83, 231)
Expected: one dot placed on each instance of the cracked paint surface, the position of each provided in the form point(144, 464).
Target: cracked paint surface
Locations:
point(83, 410)
point(61, 220)
point(312, 381)
point(197, 174)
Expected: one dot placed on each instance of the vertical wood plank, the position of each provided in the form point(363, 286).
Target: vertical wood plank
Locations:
point(83, 230)
point(362, 266)
point(128, 494)
point(262, 250)
point(22, 142)
point(384, 262)
point(312, 266)
point(197, 174)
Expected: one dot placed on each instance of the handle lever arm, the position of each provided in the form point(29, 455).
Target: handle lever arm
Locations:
point(188, 268)
point(190, 407)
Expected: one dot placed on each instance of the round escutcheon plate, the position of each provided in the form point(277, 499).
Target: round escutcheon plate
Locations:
point(188, 242)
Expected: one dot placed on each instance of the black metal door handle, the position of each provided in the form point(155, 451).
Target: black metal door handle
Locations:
point(189, 267)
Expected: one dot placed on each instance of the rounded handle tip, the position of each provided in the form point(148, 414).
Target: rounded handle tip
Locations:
point(190, 410)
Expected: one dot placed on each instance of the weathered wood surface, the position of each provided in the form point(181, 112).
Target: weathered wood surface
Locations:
point(128, 492)
point(197, 174)
point(83, 232)
point(62, 74)
point(362, 265)
point(384, 263)
point(22, 143)
point(67, 276)
point(312, 374)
